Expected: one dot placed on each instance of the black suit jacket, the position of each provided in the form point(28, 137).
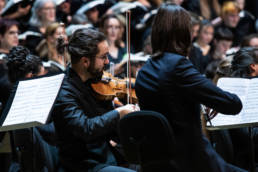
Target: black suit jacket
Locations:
point(82, 125)
point(171, 85)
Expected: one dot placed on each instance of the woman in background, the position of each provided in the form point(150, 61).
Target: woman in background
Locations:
point(8, 35)
point(205, 37)
point(112, 27)
point(43, 14)
point(47, 48)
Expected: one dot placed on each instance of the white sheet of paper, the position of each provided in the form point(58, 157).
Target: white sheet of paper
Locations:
point(33, 100)
point(240, 87)
point(250, 105)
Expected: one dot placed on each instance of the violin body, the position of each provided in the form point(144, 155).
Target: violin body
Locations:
point(110, 87)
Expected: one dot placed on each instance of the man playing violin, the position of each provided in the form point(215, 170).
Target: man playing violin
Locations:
point(83, 123)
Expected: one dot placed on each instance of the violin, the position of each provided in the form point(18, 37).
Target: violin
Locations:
point(110, 87)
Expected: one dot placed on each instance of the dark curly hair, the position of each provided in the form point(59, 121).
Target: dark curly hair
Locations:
point(21, 62)
point(242, 60)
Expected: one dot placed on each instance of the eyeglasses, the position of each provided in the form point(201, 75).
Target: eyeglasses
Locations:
point(49, 8)
point(103, 57)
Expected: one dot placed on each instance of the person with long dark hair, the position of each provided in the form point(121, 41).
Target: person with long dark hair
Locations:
point(169, 83)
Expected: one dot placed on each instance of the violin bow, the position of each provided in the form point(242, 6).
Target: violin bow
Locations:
point(128, 43)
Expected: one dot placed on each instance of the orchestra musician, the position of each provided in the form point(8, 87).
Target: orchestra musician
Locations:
point(83, 123)
point(244, 65)
point(169, 83)
point(236, 142)
point(23, 65)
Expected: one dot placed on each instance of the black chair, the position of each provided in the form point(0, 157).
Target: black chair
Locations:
point(148, 140)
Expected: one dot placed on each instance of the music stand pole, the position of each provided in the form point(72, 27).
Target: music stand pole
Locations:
point(252, 150)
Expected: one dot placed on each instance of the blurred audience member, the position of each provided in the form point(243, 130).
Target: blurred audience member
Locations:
point(2, 5)
point(17, 10)
point(230, 14)
point(8, 39)
point(231, 20)
point(196, 24)
point(177, 2)
point(79, 19)
point(205, 37)
point(43, 14)
point(209, 9)
point(47, 49)
point(63, 11)
point(8, 35)
point(195, 55)
point(250, 41)
point(111, 27)
point(222, 42)
point(247, 20)
point(223, 39)
point(94, 10)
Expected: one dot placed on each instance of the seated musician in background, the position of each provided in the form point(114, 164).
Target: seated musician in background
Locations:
point(169, 83)
point(244, 65)
point(234, 144)
point(83, 123)
point(21, 65)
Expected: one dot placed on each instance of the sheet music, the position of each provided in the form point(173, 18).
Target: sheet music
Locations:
point(240, 87)
point(250, 106)
point(33, 100)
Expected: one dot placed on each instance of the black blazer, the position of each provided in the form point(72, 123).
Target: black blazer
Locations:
point(171, 85)
point(82, 125)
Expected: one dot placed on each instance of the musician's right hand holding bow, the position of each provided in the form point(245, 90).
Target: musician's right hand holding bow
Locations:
point(124, 110)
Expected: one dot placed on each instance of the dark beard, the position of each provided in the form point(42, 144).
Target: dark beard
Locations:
point(96, 75)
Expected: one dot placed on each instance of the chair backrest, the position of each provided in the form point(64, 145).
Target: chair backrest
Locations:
point(146, 137)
